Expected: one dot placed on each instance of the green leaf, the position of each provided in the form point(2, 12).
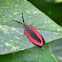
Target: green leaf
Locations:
point(11, 33)
point(57, 49)
point(31, 55)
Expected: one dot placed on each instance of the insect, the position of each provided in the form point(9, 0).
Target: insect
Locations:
point(33, 35)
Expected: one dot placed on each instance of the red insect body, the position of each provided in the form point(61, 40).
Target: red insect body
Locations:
point(33, 40)
point(33, 35)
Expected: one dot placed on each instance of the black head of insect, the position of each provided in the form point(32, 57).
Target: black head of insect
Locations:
point(20, 22)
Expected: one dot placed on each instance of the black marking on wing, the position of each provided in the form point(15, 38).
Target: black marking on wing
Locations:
point(43, 41)
point(38, 45)
point(33, 35)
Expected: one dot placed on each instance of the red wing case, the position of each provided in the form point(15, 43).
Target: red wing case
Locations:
point(35, 37)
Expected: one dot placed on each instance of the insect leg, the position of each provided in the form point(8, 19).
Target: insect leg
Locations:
point(31, 24)
point(24, 33)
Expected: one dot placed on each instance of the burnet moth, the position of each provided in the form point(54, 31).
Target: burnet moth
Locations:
point(33, 35)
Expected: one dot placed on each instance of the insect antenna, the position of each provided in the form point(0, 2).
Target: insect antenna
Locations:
point(23, 18)
point(18, 22)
